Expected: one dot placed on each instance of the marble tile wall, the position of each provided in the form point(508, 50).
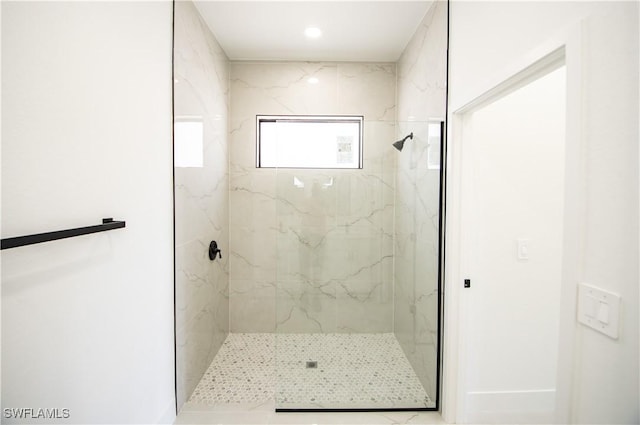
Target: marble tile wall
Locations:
point(421, 101)
point(315, 256)
point(201, 199)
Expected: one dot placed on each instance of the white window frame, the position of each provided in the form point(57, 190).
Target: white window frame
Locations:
point(359, 119)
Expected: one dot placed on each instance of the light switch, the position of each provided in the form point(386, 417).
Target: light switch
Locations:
point(590, 306)
point(599, 309)
point(603, 312)
point(523, 249)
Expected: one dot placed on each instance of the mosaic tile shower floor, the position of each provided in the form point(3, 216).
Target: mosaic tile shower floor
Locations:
point(353, 371)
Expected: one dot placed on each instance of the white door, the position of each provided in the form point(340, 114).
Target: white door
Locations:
point(513, 193)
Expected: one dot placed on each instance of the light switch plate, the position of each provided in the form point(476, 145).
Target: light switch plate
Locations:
point(599, 309)
point(523, 249)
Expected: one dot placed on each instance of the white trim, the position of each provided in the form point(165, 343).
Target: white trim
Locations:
point(519, 65)
point(544, 65)
point(566, 47)
point(574, 224)
point(512, 406)
point(169, 415)
point(452, 343)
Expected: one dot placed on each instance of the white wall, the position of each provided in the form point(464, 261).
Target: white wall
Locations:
point(87, 323)
point(603, 117)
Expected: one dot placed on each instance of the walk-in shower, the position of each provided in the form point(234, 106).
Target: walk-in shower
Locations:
point(327, 294)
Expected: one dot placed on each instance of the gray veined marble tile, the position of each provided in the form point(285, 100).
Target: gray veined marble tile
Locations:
point(421, 98)
point(330, 225)
point(377, 82)
point(201, 200)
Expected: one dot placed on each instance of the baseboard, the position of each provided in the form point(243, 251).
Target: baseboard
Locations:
point(169, 414)
point(522, 407)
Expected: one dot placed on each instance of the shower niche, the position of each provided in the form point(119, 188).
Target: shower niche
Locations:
point(328, 293)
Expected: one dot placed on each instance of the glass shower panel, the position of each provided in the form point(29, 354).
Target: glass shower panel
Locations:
point(417, 246)
point(335, 341)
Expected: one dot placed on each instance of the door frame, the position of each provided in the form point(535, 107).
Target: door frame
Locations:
point(565, 48)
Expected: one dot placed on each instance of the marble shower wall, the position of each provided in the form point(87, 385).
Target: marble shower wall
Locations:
point(201, 199)
point(312, 250)
point(421, 100)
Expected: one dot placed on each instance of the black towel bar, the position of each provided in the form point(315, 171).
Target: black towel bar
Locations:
point(107, 224)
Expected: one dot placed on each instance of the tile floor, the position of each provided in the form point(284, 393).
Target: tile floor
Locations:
point(243, 372)
point(353, 371)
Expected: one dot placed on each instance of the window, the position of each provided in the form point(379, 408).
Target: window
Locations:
point(188, 141)
point(309, 141)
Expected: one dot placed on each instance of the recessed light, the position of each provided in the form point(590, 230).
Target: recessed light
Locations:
point(312, 32)
point(313, 80)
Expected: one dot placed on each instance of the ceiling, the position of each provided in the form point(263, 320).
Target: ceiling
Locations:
point(360, 31)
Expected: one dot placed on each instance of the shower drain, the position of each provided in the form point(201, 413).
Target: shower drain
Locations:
point(312, 365)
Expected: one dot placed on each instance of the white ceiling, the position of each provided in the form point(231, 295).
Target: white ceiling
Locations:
point(363, 31)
